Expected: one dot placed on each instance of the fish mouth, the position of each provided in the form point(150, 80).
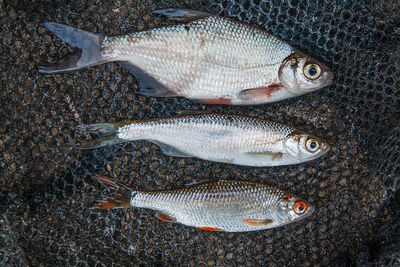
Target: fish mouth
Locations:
point(310, 210)
point(327, 74)
point(325, 147)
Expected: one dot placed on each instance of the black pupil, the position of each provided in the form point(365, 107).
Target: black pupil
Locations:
point(301, 207)
point(313, 145)
point(312, 71)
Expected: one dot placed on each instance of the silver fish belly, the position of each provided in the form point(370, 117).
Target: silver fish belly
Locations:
point(215, 137)
point(223, 205)
point(210, 59)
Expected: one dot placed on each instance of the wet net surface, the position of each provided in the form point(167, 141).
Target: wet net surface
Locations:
point(45, 185)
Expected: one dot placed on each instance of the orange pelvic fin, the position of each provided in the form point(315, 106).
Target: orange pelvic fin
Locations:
point(257, 222)
point(165, 217)
point(207, 228)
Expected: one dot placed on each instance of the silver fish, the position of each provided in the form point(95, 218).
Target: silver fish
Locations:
point(223, 205)
point(207, 58)
point(215, 137)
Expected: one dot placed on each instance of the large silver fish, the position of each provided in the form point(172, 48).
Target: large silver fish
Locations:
point(222, 138)
point(208, 58)
point(223, 205)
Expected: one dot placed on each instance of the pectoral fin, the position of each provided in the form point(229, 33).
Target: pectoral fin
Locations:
point(171, 151)
point(257, 222)
point(259, 93)
point(164, 217)
point(272, 155)
point(181, 15)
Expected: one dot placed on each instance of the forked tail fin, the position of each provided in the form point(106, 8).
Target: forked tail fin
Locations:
point(106, 131)
point(87, 52)
point(121, 194)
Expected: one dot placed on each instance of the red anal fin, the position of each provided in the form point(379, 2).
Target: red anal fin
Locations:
point(165, 217)
point(218, 101)
point(260, 92)
point(207, 228)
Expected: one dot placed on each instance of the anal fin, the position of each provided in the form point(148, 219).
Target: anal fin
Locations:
point(147, 84)
point(164, 217)
point(208, 228)
point(257, 222)
point(182, 15)
point(170, 151)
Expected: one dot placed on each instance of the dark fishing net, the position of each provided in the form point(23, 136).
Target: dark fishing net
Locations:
point(46, 187)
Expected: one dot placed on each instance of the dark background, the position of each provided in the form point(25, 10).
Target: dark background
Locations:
point(46, 187)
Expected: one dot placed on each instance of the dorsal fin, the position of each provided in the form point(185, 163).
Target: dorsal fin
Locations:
point(182, 15)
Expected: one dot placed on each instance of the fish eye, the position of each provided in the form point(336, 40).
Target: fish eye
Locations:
point(300, 207)
point(312, 145)
point(312, 71)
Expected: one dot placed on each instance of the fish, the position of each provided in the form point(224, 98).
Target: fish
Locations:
point(215, 137)
point(205, 58)
point(213, 205)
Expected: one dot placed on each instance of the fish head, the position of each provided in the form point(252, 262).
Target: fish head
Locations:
point(292, 208)
point(304, 147)
point(300, 74)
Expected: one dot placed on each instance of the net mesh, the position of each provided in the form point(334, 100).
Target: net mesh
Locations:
point(46, 187)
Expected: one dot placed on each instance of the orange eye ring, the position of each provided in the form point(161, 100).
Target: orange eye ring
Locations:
point(300, 207)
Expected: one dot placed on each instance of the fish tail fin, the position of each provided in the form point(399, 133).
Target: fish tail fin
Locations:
point(87, 48)
point(121, 194)
point(107, 135)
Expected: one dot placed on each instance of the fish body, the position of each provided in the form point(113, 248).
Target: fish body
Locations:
point(223, 205)
point(216, 137)
point(210, 59)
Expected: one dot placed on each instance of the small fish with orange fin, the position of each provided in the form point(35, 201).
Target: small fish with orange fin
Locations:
point(220, 205)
